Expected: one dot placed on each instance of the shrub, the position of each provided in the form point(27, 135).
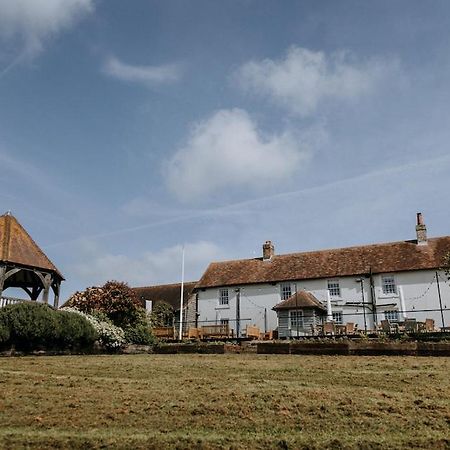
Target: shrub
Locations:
point(139, 334)
point(115, 299)
point(75, 331)
point(109, 336)
point(31, 325)
point(4, 330)
point(162, 315)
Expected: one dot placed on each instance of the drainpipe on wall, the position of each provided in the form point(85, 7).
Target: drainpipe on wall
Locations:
point(373, 299)
point(197, 314)
point(238, 313)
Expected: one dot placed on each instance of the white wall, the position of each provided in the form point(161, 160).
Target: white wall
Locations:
point(419, 289)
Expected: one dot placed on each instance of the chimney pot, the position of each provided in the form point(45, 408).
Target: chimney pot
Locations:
point(421, 230)
point(268, 250)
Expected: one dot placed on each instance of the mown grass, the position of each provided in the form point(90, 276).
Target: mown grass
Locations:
point(224, 401)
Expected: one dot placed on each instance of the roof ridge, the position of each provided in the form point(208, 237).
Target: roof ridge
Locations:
point(6, 238)
point(379, 244)
point(34, 242)
point(8, 217)
point(165, 285)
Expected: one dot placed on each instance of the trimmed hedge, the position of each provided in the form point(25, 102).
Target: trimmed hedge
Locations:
point(75, 331)
point(33, 325)
point(139, 334)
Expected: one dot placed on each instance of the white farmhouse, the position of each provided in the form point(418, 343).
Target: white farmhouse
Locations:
point(363, 284)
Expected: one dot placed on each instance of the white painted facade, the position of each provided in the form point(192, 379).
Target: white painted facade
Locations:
point(416, 296)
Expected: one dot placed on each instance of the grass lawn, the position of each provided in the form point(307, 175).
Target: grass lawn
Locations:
point(224, 401)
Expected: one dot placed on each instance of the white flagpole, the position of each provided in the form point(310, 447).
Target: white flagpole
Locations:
point(180, 335)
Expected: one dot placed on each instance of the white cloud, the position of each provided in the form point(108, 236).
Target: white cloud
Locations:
point(164, 266)
point(147, 75)
point(228, 151)
point(32, 22)
point(304, 78)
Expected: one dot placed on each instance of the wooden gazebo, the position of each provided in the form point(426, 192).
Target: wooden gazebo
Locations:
point(24, 265)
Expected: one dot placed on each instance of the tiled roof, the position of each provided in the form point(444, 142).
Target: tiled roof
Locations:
point(166, 293)
point(301, 299)
point(17, 246)
point(378, 258)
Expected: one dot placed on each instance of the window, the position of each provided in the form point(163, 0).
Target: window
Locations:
point(223, 297)
point(296, 319)
point(388, 284)
point(285, 291)
point(338, 317)
point(334, 288)
point(392, 316)
point(224, 321)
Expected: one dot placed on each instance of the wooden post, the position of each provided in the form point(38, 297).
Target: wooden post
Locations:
point(56, 289)
point(2, 278)
point(47, 284)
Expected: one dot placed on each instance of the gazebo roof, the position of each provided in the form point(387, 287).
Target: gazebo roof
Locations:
point(17, 247)
point(301, 299)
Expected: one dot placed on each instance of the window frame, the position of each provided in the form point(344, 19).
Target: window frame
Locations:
point(341, 317)
point(222, 296)
point(284, 288)
point(392, 315)
point(298, 314)
point(392, 291)
point(337, 282)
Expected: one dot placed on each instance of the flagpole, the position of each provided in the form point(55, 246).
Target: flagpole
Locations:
point(180, 335)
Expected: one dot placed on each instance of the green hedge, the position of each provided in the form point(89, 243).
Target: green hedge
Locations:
point(74, 331)
point(33, 325)
point(4, 331)
point(139, 334)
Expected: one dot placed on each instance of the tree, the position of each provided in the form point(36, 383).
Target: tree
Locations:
point(163, 315)
point(114, 299)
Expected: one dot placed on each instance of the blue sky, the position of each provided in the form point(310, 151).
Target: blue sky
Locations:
point(129, 129)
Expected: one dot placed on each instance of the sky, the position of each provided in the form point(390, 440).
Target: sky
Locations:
point(131, 129)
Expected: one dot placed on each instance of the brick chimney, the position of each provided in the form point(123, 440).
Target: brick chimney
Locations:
point(268, 250)
point(421, 230)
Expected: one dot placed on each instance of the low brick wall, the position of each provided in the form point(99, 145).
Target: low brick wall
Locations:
point(366, 347)
point(319, 348)
point(433, 348)
point(278, 348)
point(355, 347)
point(196, 348)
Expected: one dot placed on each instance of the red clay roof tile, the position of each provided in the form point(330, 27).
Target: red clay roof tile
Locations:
point(17, 246)
point(377, 258)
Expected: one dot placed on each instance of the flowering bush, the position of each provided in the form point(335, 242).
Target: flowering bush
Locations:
point(110, 336)
point(115, 299)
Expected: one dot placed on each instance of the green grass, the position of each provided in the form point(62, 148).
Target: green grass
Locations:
point(224, 401)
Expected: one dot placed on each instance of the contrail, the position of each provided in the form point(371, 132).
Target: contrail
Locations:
point(243, 207)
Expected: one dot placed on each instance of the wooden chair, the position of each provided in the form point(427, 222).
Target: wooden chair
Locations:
point(194, 333)
point(388, 327)
point(252, 331)
point(329, 328)
point(411, 326)
point(429, 326)
point(350, 328)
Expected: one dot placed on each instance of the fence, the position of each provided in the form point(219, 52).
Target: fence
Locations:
point(10, 301)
